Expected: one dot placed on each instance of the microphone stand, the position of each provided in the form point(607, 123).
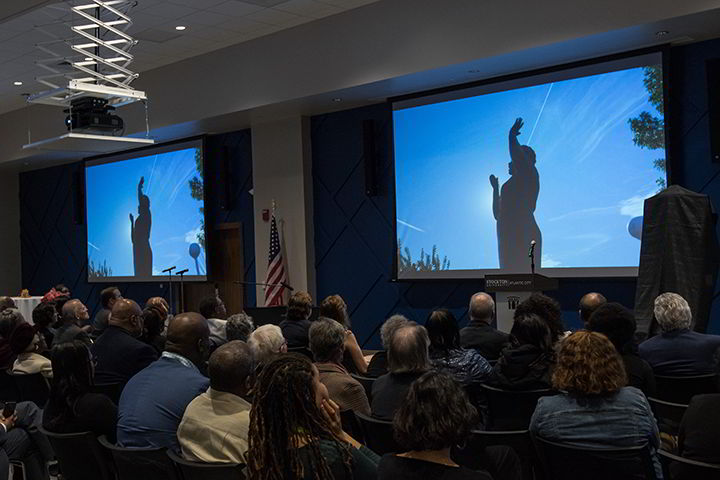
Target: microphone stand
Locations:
point(532, 258)
point(261, 284)
point(182, 288)
point(169, 272)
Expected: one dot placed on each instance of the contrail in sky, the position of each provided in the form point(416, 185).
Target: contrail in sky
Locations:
point(93, 246)
point(410, 226)
point(540, 114)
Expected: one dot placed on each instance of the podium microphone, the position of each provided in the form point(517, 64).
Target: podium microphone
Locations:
point(531, 252)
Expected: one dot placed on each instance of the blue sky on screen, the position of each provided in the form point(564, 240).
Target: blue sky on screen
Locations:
point(176, 219)
point(593, 179)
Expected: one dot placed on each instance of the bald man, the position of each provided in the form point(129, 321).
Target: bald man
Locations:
point(153, 401)
point(73, 315)
point(479, 334)
point(588, 304)
point(118, 351)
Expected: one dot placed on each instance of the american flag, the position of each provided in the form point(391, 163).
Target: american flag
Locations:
point(276, 269)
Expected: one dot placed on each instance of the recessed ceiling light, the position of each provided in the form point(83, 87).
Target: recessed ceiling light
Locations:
point(661, 33)
point(180, 27)
point(17, 83)
point(337, 99)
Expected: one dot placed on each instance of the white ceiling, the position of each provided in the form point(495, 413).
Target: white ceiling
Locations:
point(211, 25)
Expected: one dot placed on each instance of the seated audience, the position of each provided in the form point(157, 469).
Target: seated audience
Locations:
point(153, 327)
point(239, 327)
point(153, 401)
point(73, 315)
point(679, 350)
point(548, 309)
point(588, 304)
point(618, 324)
point(436, 416)
point(527, 362)
point(22, 441)
point(595, 408)
point(43, 316)
point(161, 304)
point(213, 309)
point(9, 320)
point(467, 366)
point(215, 425)
point(6, 302)
point(699, 435)
point(71, 407)
point(335, 308)
point(295, 429)
point(108, 296)
point(296, 325)
point(24, 343)
point(118, 351)
point(267, 342)
point(327, 343)
point(408, 360)
point(378, 363)
point(478, 334)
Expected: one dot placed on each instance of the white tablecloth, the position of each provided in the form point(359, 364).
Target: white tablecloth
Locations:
point(26, 306)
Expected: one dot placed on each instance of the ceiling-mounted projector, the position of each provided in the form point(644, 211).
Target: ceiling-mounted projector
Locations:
point(92, 113)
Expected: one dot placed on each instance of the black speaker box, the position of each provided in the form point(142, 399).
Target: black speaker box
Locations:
point(370, 158)
point(713, 92)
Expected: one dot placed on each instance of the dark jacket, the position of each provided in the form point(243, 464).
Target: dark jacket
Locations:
point(378, 365)
point(466, 366)
point(69, 332)
point(295, 332)
point(699, 436)
point(92, 412)
point(120, 356)
point(389, 392)
point(681, 352)
point(524, 367)
point(488, 341)
point(640, 374)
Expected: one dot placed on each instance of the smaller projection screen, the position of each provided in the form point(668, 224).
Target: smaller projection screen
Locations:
point(145, 213)
point(565, 159)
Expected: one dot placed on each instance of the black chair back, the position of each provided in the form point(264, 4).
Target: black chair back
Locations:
point(302, 351)
point(472, 454)
point(366, 382)
point(110, 390)
point(565, 462)
point(8, 388)
point(32, 388)
point(681, 389)
point(351, 425)
point(140, 463)
point(206, 471)
point(668, 415)
point(509, 409)
point(378, 435)
point(80, 456)
point(675, 467)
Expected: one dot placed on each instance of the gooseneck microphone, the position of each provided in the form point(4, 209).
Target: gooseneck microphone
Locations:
point(531, 252)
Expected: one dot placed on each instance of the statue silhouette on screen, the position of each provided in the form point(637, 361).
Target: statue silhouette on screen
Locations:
point(140, 234)
point(514, 207)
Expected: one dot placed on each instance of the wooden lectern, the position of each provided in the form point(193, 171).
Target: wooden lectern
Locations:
point(511, 289)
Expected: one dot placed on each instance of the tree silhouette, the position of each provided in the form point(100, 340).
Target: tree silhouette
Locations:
point(197, 192)
point(648, 129)
point(428, 262)
point(99, 271)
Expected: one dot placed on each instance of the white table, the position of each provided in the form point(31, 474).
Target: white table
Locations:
point(26, 306)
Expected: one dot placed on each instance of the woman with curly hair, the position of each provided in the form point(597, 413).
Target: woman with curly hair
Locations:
point(295, 429)
point(595, 408)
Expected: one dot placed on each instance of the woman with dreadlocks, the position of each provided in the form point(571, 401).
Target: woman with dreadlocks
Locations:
point(295, 429)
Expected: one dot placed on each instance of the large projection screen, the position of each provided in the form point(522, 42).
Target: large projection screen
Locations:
point(145, 213)
point(564, 158)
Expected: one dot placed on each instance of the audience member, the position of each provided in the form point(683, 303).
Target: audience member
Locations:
point(22, 441)
point(466, 366)
point(43, 316)
point(118, 352)
point(378, 363)
point(588, 304)
point(73, 314)
point(595, 408)
point(108, 296)
point(327, 343)
point(10, 318)
point(335, 308)
point(215, 425)
point(267, 342)
point(6, 302)
point(153, 401)
point(213, 309)
point(408, 360)
point(24, 343)
point(618, 324)
point(161, 303)
point(679, 350)
point(547, 309)
point(296, 325)
point(699, 435)
point(527, 362)
point(295, 429)
point(239, 327)
point(479, 334)
point(153, 327)
point(436, 416)
point(72, 407)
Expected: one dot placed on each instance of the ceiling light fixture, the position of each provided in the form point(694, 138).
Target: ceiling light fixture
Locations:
point(337, 99)
point(17, 83)
point(661, 33)
point(180, 28)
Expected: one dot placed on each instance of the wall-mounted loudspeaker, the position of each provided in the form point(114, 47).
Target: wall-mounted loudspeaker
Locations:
point(370, 158)
point(78, 196)
point(713, 91)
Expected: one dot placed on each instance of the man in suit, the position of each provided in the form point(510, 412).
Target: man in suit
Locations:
point(154, 401)
point(479, 334)
point(118, 352)
point(108, 297)
point(74, 314)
